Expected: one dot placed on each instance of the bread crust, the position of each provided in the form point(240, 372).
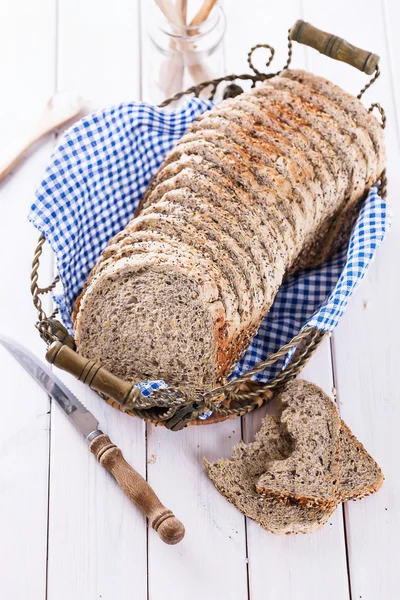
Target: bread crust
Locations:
point(348, 125)
point(351, 105)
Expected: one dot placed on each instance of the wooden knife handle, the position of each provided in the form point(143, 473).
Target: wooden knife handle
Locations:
point(162, 520)
point(334, 47)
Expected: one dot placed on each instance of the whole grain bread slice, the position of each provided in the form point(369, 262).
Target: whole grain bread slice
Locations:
point(309, 476)
point(149, 241)
point(150, 301)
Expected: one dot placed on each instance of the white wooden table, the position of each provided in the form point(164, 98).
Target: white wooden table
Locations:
point(66, 531)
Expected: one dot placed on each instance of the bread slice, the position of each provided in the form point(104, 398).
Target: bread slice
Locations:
point(309, 476)
point(162, 244)
point(147, 302)
point(236, 478)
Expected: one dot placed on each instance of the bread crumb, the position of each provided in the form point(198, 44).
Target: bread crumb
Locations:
point(334, 391)
point(246, 561)
point(366, 304)
point(152, 459)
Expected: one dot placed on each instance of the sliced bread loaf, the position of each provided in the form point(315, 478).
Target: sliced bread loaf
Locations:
point(284, 175)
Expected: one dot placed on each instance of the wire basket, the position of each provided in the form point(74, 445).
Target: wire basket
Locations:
point(171, 407)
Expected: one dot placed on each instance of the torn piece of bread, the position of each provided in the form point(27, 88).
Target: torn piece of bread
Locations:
point(237, 478)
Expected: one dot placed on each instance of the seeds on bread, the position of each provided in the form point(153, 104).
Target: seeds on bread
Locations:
point(261, 185)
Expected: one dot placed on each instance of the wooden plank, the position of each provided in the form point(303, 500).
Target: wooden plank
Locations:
point(366, 354)
point(211, 560)
point(27, 36)
point(300, 567)
point(98, 50)
point(97, 541)
point(175, 470)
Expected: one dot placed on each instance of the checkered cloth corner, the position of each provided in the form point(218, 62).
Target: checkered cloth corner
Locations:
point(95, 180)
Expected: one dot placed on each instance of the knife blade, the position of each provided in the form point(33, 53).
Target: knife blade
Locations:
point(168, 527)
point(77, 413)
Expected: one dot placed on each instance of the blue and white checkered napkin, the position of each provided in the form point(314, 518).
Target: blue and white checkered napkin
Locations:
point(95, 180)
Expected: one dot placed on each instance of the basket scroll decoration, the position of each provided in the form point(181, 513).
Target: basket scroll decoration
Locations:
point(170, 406)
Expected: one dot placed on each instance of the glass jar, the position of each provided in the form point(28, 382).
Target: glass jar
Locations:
point(182, 56)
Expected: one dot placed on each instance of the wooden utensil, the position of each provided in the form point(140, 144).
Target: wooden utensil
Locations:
point(60, 109)
point(161, 519)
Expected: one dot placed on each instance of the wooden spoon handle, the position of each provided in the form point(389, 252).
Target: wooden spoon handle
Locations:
point(168, 527)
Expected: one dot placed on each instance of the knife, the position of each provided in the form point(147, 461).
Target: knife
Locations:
point(168, 527)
